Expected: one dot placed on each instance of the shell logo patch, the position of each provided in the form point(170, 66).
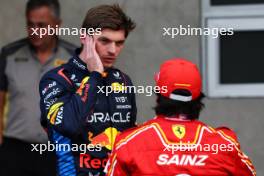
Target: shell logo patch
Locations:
point(179, 131)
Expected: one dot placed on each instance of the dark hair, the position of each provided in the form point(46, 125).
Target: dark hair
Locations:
point(54, 5)
point(108, 16)
point(168, 107)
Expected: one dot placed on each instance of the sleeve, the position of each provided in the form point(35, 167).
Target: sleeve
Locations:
point(134, 110)
point(114, 167)
point(118, 162)
point(133, 104)
point(66, 111)
point(3, 78)
point(243, 165)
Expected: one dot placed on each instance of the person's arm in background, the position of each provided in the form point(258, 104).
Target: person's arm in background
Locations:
point(2, 105)
point(3, 90)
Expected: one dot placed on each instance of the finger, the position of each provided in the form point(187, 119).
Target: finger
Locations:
point(85, 48)
point(94, 47)
point(88, 47)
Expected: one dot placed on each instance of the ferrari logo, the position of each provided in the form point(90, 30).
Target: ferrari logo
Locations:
point(179, 131)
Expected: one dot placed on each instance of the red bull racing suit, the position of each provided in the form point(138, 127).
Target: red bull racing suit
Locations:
point(76, 109)
point(172, 147)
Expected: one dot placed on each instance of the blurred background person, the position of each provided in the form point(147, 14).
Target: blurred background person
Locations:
point(22, 63)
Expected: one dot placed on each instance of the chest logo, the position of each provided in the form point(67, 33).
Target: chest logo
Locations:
point(179, 131)
point(105, 139)
point(118, 87)
point(117, 75)
point(73, 78)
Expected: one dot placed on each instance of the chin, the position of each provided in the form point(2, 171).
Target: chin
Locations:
point(36, 43)
point(108, 65)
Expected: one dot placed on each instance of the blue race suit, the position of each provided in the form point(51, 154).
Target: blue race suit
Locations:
point(76, 109)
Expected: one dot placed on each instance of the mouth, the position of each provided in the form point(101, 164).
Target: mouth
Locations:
point(109, 59)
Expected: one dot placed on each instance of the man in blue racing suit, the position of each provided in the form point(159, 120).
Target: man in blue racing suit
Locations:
point(77, 105)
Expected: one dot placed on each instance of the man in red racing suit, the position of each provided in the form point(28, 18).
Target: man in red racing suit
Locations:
point(175, 143)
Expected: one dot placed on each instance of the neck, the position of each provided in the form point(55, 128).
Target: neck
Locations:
point(182, 117)
point(179, 117)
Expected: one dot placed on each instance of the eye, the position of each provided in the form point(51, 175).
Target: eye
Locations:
point(119, 43)
point(104, 40)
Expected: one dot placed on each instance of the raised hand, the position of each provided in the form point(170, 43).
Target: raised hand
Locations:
point(92, 58)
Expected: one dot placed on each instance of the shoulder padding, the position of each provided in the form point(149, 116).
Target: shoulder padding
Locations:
point(59, 75)
point(227, 131)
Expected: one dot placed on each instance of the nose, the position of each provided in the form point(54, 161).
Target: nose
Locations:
point(112, 48)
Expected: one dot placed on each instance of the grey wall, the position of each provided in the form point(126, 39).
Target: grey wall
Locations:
point(146, 48)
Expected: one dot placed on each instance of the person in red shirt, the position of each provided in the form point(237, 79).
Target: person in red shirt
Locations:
point(175, 142)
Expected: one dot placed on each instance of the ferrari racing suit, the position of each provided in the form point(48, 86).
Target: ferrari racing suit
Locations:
point(173, 147)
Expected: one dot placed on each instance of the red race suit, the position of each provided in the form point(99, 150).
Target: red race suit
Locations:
point(173, 147)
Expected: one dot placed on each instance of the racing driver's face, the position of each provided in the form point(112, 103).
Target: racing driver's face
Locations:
point(109, 45)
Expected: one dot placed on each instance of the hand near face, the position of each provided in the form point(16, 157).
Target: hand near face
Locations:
point(92, 58)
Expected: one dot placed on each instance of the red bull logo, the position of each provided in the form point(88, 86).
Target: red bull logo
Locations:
point(105, 139)
point(86, 161)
